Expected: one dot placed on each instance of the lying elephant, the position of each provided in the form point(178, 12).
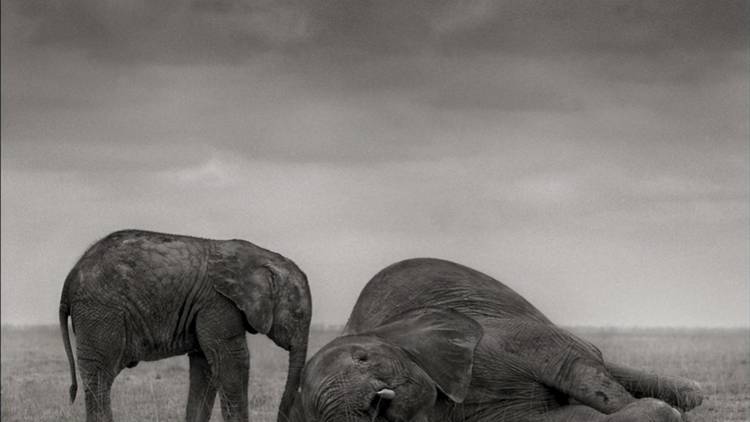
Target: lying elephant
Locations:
point(431, 341)
point(138, 295)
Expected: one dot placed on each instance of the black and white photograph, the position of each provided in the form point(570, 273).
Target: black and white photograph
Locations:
point(375, 211)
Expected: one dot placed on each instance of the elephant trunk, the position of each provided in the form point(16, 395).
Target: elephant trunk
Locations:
point(297, 356)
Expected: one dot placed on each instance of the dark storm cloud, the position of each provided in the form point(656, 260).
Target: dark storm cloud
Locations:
point(161, 31)
point(634, 27)
point(235, 30)
point(356, 81)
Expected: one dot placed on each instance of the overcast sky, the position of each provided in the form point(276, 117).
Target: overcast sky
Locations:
point(593, 155)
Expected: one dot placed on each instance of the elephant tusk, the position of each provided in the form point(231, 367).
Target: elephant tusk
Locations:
point(387, 394)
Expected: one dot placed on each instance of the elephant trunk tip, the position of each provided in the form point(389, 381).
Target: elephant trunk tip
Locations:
point(73, 391)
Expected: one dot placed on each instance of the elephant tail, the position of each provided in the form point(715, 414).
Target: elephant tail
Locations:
point(64, 313)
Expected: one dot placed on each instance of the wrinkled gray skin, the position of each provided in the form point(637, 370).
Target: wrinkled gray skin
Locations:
point(434, 341)
point(137, 295)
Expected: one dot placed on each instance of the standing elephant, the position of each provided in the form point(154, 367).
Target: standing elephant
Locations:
point(432, 341)
point(138, 295)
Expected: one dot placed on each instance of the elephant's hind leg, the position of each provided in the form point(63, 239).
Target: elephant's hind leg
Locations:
point(682, 393)
point(97, 383)
point(202, 389)
point(643, 410)
point(100, 345)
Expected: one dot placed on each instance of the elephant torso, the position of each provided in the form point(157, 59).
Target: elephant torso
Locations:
point(157, 283)
point(428, 282)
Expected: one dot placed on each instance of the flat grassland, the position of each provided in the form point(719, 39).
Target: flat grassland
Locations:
point(35, 375)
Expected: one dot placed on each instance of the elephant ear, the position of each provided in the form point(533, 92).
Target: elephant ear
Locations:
point(441, 342)
point(252, 293)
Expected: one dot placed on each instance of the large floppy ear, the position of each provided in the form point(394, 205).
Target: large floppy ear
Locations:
point(441, 342)
point(252, 293)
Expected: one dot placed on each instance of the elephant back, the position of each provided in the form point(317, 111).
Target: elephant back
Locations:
point(428, 282)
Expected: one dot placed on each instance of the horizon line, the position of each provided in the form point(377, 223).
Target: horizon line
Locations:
point(326, 326)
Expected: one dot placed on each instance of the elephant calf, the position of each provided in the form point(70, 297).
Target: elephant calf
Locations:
point(138, 295)
point(432, 341)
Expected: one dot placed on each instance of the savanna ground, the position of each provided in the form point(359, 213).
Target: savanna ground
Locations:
point(35, 375)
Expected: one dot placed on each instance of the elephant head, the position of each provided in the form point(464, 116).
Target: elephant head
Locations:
point(273, 294)
point(391, 373)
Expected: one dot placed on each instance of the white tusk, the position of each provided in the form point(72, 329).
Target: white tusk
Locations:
point(387, 394)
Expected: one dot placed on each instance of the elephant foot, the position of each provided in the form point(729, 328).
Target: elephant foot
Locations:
point(690, 395)
point(651, 410)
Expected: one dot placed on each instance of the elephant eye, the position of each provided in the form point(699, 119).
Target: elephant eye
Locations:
point(360, 355)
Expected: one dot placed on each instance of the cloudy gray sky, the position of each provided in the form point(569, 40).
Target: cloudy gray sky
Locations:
point(591, 154)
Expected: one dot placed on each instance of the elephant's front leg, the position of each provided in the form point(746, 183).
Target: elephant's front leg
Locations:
point(221, 338)
point(681, 393)
point(651, 410)
point(557, 360)
point(230, 363)
point(202, 389)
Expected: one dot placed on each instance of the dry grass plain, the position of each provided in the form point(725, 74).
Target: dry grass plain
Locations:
point(35, 376)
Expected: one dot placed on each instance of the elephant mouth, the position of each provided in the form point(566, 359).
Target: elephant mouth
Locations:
point(378, 409)
point(379, 401)
point(249, 328)
point(361, 404)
